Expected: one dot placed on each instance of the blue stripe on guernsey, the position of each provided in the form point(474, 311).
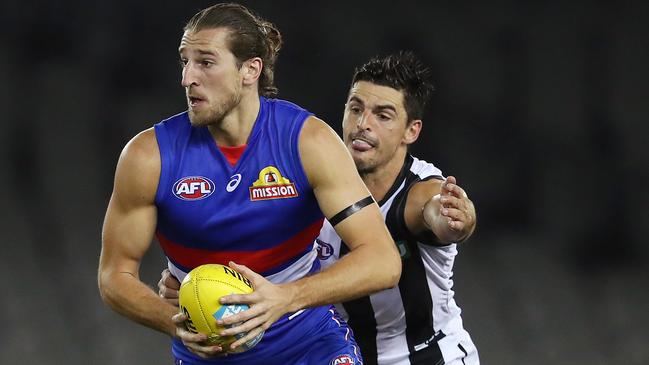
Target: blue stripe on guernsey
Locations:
point(297, 339)
point(205, 205)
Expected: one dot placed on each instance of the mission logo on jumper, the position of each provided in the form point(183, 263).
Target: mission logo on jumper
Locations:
point(272, 185)
point(193, 188)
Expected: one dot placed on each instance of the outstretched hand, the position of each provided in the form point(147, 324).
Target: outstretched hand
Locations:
point(266, 305)
point(450, 214)
point(456, 206)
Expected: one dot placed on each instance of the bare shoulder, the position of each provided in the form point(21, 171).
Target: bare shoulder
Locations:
point(143, 148)
point(138, 169)
point(320, 148)
point(314, 131)
point(329, 168)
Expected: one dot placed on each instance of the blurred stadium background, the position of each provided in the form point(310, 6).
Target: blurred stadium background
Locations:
point(540, 111)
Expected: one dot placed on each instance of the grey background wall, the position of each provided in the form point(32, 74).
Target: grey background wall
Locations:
point(540, 111)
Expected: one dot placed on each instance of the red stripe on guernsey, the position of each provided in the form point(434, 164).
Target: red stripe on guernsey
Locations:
point(259, 261)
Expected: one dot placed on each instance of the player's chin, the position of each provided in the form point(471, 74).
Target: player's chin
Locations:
point(364, 166)
point(197, 119)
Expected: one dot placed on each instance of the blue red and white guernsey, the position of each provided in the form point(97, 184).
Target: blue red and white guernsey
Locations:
point(261, 213)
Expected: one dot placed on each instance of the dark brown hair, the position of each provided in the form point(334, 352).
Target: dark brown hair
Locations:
point(250, 36)
point(401, 71)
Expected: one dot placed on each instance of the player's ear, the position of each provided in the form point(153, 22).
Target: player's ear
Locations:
point(251, 70)
point(412, 131)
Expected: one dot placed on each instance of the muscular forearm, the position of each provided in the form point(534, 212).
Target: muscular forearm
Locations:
point(130, 297)
point(361, 272)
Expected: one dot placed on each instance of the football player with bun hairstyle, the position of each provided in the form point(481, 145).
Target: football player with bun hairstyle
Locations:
point(245, 180)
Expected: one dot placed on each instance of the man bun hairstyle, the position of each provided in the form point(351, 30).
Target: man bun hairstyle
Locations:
point(250, 36)
point(401, 71)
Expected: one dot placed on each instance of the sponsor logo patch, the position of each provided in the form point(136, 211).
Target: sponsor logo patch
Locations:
point(193, 188)
point(343, 360)
point(272, 185)
point(229, 310)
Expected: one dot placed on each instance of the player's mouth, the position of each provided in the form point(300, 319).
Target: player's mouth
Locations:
point(195, 101)
point(362, 143)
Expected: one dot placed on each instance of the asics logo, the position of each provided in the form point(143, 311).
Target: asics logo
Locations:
point(234, 182)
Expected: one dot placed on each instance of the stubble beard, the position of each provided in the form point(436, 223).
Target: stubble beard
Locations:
point(214, 114)
point(364, 168)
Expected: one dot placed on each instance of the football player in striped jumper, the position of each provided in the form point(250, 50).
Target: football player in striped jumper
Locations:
point(418, 321)
point(244, 177)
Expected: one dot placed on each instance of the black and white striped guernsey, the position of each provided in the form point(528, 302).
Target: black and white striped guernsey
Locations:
point(417, 322)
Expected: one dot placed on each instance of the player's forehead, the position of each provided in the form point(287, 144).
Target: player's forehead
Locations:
point(213, 40)
point(371, 94)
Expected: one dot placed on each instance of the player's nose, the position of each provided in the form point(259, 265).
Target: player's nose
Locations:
point(364, 120)
point(189, 75)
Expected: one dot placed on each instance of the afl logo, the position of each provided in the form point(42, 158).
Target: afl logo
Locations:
point(343, 360)
point(325, 250)
point(193, 188)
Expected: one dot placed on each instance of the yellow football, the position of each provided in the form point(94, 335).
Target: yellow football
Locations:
point(199, 296)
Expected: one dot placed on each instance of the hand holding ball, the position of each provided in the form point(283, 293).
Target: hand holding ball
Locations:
point(199, 296)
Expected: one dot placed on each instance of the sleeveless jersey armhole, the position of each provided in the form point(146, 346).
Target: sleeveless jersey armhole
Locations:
point(162, 138)
point(301, 180)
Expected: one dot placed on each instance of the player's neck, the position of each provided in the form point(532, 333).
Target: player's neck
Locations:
point(380, 180)
point(234, 129)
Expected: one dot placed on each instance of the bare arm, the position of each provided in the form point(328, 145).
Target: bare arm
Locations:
point(127, 233)
point(373, 263)
point(441, 207)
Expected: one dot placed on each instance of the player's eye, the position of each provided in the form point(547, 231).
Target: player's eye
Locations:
point(383, 117)
point(354, 109)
